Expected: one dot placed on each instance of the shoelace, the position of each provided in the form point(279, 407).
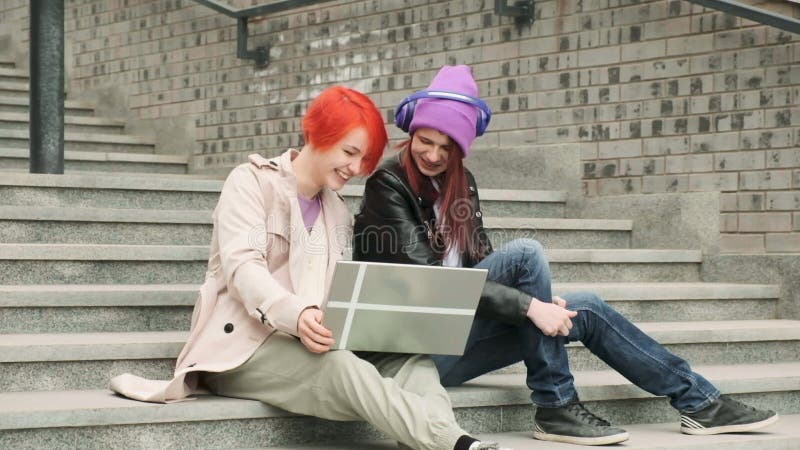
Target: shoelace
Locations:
point(587, 416)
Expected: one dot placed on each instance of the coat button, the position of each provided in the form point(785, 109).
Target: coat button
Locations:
point(478, 214)
point(229, 328)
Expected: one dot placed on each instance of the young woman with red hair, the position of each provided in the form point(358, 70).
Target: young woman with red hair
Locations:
point(422, 207)
point(257, 329)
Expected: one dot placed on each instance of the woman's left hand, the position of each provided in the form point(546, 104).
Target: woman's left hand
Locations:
point(558, 301)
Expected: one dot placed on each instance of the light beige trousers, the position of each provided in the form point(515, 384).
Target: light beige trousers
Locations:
point(398, 394)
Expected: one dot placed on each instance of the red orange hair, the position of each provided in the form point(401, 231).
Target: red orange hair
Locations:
point(337, 111)
point(455, 228)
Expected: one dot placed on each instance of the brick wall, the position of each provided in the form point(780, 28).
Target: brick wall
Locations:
point(662, 96)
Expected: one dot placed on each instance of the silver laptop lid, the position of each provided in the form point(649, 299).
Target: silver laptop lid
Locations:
point(402, 308)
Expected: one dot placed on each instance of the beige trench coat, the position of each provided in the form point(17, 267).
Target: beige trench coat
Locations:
point(256, 257)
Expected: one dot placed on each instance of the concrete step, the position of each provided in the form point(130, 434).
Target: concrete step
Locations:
point(112, 143)
point(96, 308)
point(650, 302)
point(624, 265)
point(28, 360)
point(561, 233)
point(101, 264)
point(170, 264)
point(72, 124)
point(15, 89)
point(171, 192)
point(490, 404)
point(13, 74)
point(24, 224)
point(106, 191)
point(658, 436)
point(17, 160)
point(166, 307)
point(529, 166)
point(7, 63)
point(22, 105)
point(712, 343)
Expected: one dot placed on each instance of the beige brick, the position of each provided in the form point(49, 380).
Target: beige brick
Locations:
point(590, 188)
point(665, 146)
point(715, 142)
point(599, 57)
point(783, 242)
point(690, 163)
point(765, 180)
point(750, 160)
point(641, 166)
point(750, 201)
point(665, 183)
point(772, 222)
point(588, 150)
point(643, 50)
point(620, 149)
point(728, 202)
point(783, 200)
point(783, 158)
point(690, 44)
point(705, 182)
point(775, 138)
point(728, 223)
point(741, 243)
point(796, 221)
point(619, 186)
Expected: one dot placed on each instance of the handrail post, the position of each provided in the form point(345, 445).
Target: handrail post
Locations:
point(47, 86)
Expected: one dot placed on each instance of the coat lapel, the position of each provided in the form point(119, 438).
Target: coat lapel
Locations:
point(339, 225)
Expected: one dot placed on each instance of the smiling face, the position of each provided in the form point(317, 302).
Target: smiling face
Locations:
point(335, 166)
point(430, 150)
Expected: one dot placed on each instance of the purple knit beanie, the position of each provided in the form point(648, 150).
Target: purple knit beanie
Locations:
point(453, 118)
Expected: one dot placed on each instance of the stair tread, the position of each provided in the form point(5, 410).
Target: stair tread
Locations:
point(92, 295)
point(72, 120)
point(103, 252)
point(72, 155)
point(15, 72)
point(660, 436)
point(167, 344)
point(558, 224)
point(86, 137)
point(101, 407)
point(204, 217)
point(76, 104)
point(196, 184)
point(117, 252)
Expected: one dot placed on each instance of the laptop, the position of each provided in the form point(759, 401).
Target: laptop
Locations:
point(402, 308)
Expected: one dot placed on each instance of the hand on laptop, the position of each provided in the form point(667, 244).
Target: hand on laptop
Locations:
point(312, 333)
point(551, 318)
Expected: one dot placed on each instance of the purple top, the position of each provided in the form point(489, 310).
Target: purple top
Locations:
point(310, 209)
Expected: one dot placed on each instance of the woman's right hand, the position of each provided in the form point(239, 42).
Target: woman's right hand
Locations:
point(312, 333)
point(552, 319)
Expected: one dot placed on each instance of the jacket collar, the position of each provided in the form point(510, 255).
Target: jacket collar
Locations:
point(336, 215)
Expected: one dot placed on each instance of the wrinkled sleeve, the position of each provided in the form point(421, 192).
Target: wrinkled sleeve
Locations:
point(240, 221)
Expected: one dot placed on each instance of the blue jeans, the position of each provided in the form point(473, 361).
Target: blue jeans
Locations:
point(605, 332)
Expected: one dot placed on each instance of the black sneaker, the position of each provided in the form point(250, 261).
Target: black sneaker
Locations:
point(726, 415)
point(574, 424)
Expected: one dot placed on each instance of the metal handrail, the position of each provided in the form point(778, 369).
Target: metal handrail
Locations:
point(259, 54)
point(751, 12)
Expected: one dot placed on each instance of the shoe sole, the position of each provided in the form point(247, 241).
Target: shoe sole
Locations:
point(741, 428)
point(600, 440)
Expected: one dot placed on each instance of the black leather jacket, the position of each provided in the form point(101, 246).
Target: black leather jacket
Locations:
point(396, 226)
